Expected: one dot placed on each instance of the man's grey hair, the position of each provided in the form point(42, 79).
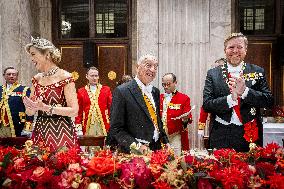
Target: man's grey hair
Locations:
point(146, 57)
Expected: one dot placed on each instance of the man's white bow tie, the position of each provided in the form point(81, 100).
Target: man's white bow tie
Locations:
point(148, 88)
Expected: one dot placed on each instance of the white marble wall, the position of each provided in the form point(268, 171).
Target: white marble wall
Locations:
point(187, 36)
point(15, 28)
point(19, 19)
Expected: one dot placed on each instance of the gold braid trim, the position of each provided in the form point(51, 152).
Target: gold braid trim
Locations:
point(5, 107)
point(165, 115)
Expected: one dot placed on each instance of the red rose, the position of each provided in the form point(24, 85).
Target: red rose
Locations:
point(41, 174)
point(189, 159)
point(19, 164)
point(161, 185)
point(101, 166)
point(160, 157)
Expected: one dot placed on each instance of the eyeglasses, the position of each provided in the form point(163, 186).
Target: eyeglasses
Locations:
point(149, 66)
point(166, 84)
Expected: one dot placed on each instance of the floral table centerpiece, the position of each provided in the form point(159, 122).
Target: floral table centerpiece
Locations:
point(37, 167)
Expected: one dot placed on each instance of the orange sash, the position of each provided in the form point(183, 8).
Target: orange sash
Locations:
point(151, 110)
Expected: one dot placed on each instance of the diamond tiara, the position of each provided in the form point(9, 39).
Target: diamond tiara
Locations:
point(41, 43)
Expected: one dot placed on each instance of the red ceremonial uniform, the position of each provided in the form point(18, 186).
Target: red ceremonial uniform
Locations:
point(102, 104)
point(179, 104)
point(203, 116)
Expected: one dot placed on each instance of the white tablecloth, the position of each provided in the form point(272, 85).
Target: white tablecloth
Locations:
point(273, 132)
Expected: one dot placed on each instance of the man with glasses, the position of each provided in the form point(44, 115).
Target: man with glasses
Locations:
point(174, 104)
point(135, 121)
point(13, 118)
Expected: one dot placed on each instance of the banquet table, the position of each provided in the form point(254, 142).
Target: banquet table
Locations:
point(273, 132)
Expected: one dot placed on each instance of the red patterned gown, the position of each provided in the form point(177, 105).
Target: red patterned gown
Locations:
point(54, 131)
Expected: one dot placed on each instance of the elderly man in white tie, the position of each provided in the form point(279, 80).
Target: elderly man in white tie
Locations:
point(135, 121)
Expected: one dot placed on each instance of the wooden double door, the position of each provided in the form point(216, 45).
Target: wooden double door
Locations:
point(110, 59)
point(266, 55)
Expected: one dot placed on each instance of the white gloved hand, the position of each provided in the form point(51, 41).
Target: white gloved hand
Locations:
point(79, 133)
point(78, 129)
point(26, 133)
point(200, 133)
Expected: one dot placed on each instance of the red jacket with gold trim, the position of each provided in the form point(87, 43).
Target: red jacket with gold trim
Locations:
point(179, 104)
point(84, 101)
point(203, 116)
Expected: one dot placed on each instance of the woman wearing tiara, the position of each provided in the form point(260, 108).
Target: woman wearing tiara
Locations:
point(53, 96)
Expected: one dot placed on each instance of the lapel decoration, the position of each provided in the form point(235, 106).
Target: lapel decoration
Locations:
point(252, 76)
point(225, 72)
point(253, 111)
point(174, 106)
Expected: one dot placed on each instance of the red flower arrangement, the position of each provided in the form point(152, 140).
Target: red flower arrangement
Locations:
point(36, 167)
point(161, 185)
point(276, 181)
point(101, 166)
point(135, 170)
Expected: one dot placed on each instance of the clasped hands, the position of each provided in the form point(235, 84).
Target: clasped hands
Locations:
point(34, 104)
point(237, 86)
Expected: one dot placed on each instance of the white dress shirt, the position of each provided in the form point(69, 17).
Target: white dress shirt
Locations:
point(147, 90)
point(93, 88)
point(8, 86)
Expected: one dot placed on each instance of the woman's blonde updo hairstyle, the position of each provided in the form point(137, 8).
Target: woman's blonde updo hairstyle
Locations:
point(45, 46)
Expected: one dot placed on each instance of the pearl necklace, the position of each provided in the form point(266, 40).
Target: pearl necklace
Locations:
point(50, 72)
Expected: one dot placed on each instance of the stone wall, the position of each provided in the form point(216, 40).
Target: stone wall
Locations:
point(18, 21)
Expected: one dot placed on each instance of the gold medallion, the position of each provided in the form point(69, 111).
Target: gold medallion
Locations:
point(75, 75)
point(111, 75)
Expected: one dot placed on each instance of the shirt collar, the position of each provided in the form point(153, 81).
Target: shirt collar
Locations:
point(8, 86)
point(237, 69)
point(93, 88)
point(144, 88)
point(170, 94)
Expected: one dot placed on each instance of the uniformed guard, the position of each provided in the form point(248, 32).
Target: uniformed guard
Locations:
point(12, 110)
